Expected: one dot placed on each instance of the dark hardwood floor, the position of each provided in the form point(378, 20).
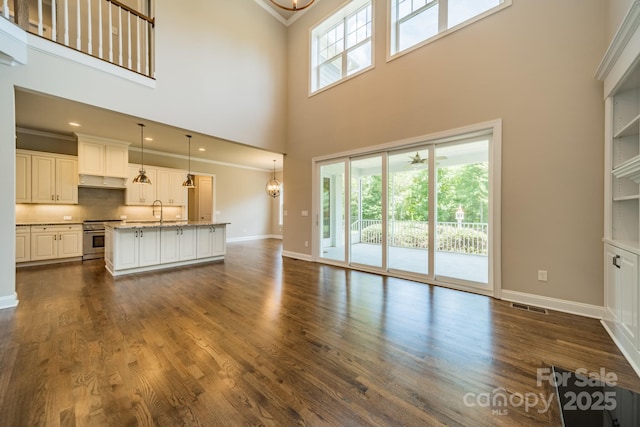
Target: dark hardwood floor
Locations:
point(262, 340)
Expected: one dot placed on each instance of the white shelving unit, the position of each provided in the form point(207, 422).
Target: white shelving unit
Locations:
point(620, 71)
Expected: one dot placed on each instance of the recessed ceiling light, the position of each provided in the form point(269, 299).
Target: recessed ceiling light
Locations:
point(74, 124)
point(201, 149)
point(148, 138)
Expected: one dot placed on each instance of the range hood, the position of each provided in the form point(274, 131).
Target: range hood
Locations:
point(94, 181)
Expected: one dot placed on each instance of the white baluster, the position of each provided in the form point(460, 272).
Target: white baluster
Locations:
point(119, 36)
point(138, 42)
point(89, 35)
point(78, 27)
point(100, 29)
point(5, 8)
point(54, 21)
point(109, 32)
point(66, 22)
point(129, 40)
point(40, 18)
point(147, 47)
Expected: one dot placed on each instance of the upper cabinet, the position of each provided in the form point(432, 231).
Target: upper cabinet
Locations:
point(166, 186)
point(102, 162)
point(170, 190)
point(46, 178)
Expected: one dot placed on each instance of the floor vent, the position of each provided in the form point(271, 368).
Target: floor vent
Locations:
point(529, 308)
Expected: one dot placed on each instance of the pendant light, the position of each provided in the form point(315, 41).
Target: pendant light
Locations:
point(142, 177)
point(294, 4)
point(273, 186)
point(189, 183)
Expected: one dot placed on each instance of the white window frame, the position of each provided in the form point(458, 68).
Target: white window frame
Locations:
point(345, 11)
point(393, 26)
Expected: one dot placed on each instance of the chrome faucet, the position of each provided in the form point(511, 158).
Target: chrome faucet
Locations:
point(153, 209)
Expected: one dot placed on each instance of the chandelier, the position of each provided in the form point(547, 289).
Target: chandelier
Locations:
point(294, 4)
point(273, 186)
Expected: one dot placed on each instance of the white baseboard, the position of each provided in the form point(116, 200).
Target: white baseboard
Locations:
point(571, 307)
point(9, 301)
point(626, 347)
point(297, 255)
point(260, 237)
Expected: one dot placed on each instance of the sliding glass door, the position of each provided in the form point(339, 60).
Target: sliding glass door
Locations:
point(408, 211)
point(421, 211)
point(332, 211)
point(366, 206)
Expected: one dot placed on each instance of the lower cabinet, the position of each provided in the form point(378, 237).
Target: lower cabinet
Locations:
point(55, 242)
point(178, 244)
point(621, 292)
point(146, 248)
point(211, 241)
point(23, 243)
point(136, 247)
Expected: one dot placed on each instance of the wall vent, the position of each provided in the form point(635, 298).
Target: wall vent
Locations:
point(526, 307)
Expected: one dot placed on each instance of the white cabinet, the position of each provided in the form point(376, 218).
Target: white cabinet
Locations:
point(621, 282)
point(23, 177)
point(135, 247)
point(54, 179)
point(101, 157)
point(23, 243)
point(57, 241)
point(620, 71)
point(170, 190)
point(211, 241)
point(177, 244)
point(141, 194)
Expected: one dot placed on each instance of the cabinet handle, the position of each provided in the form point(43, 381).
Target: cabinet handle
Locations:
point(615, 261)
point(181, 231)
point(141, 233)
point(57, 197)
point(55, 237)
point(52, 197)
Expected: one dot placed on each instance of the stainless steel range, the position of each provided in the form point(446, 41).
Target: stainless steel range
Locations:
point(93, 238)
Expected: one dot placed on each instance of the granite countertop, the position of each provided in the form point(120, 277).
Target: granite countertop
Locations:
point(149, 224)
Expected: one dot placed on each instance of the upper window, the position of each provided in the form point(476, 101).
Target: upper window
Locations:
point(341, 45)
point(414, 22)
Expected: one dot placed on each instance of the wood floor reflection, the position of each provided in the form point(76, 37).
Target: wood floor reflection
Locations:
point(265, 340)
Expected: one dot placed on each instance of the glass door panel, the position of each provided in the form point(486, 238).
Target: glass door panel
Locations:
point(332, 211)
point(366, 227)
point(462, 227)
point(408, 211)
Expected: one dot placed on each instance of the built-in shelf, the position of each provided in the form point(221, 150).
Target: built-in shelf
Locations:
point(629, 169)
point(625, 198)
point(632, 128)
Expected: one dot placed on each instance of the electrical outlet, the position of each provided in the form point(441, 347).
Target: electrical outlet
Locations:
point(542, 275)
point(114, 31)
point(67, 217)
point(123, 217)
point(304, 213)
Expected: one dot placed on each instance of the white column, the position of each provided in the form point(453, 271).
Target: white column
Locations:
point(8, 297)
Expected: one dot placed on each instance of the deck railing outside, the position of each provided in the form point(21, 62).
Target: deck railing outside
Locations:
point(106, 29)
point(463, 237)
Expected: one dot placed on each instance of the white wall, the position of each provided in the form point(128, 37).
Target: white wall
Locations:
point(532, 65)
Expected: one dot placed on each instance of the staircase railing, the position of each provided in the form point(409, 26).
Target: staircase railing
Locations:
point(105, 29)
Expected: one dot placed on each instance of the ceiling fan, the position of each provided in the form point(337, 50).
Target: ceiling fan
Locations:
point(417, 160)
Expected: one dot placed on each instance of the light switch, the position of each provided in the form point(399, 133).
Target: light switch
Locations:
point(305, 213)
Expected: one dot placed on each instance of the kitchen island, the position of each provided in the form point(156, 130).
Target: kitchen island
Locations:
point(135, 247)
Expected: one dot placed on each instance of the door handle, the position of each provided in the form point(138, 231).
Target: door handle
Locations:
point(615, 261)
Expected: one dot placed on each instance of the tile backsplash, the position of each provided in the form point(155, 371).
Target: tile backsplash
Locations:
point(93, 203)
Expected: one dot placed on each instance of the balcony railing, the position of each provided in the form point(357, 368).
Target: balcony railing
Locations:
point(464, 237)
point(104, 29)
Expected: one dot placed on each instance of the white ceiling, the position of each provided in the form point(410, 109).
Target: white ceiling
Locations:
point(45, 113)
